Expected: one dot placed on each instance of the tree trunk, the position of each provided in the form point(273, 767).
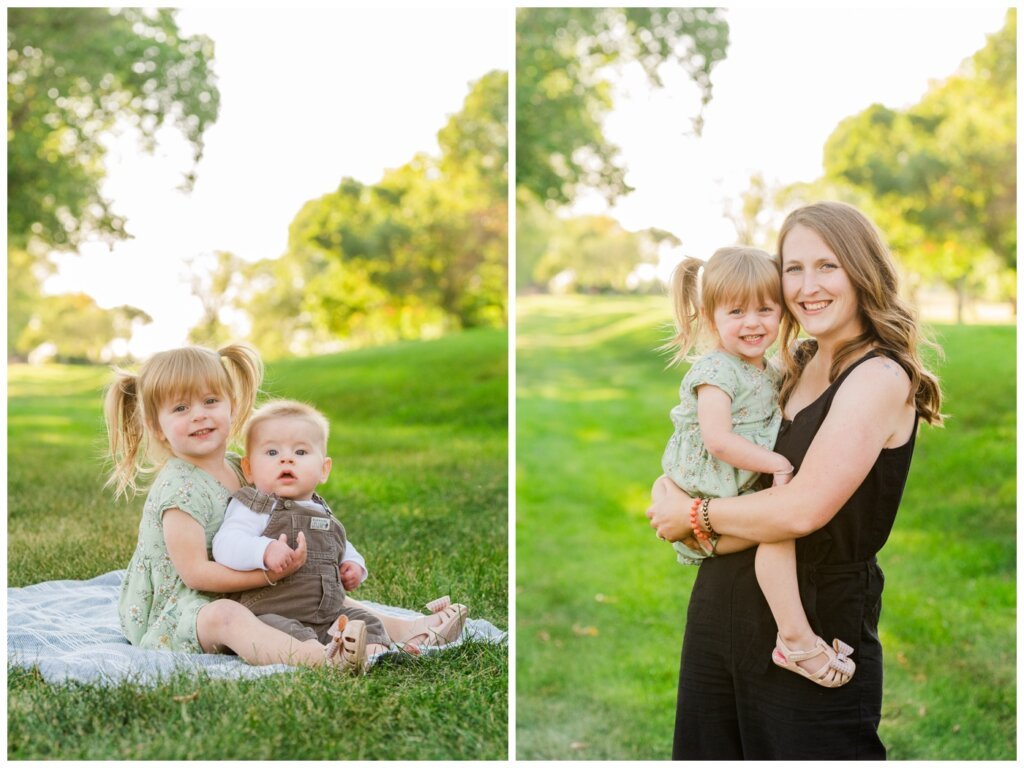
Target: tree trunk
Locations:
point(961, 298)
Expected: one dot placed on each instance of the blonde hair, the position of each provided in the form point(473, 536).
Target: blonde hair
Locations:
point(276, 409)
point(889, 323)
point(732, 275)
point(132, 403)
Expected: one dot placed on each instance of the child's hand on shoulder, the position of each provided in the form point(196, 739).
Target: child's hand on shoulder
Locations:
point(350, 574)
point(278, 555)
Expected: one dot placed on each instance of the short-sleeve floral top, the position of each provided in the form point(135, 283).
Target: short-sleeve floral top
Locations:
point(157, 610)
point(755, 416)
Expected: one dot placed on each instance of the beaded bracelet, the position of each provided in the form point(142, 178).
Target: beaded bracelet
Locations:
point(706, 518)
point(267, 577)
point(700, 535)
point(710, 538)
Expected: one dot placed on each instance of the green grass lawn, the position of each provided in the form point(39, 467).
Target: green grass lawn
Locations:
point(419, 443)
point(601, 602)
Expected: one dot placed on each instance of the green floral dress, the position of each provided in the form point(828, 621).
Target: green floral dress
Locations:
point(157, 610)
point(756, 416)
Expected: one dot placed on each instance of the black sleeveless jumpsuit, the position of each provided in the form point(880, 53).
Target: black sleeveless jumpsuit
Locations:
point(733, 702)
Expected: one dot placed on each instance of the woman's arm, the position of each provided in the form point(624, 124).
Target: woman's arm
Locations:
point(714, 413)
point(186, 545)
point(870, 406)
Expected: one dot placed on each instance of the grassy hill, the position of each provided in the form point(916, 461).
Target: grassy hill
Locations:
point(419, 443)
point(601, 603)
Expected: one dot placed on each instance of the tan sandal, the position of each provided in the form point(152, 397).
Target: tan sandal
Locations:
point(347, 647)
point(440, 635)
point(837, 670)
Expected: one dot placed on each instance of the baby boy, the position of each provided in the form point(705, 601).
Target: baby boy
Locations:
point(286, 459)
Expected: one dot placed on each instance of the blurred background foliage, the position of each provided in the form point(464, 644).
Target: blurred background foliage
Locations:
point(73, 74)
point(939, 177)
point(422, 252)
point(564, 57)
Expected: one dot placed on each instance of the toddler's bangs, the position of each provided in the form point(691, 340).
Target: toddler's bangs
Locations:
point(745, 280)
point(191, 371)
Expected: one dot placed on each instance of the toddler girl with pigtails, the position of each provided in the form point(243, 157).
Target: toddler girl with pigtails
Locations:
point(725, 428)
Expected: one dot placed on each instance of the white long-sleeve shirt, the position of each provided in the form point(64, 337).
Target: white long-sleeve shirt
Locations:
point(241, 545)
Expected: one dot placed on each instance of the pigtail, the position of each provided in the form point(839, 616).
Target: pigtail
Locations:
point(125, 432)
point(245, 369)
point(685, 290)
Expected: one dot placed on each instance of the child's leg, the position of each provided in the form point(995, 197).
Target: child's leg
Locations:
point(225, 623)
point(775, 566)
point(658, 490)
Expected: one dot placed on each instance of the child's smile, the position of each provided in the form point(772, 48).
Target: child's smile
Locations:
point(196, 427)
point(746, 332)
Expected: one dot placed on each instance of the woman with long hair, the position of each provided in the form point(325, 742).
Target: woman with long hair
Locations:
point(852, 398)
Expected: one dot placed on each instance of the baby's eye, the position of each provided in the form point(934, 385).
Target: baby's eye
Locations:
point(736, 311)
point(211, 400)
point(301, 452)
point(178, 409)
point(272, 452)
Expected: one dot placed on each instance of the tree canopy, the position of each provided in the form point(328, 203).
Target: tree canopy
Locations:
point(73, 75)
point(940, 176)
point(421, 252)
point(563, 56)
point(581, 253)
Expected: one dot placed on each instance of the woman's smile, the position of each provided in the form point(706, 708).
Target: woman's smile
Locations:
point(816, 287)
point(815, 306)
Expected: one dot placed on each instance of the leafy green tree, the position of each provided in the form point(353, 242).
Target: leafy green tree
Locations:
point(474, 142)
point(940, 176)
point(421, 252)
point(79, 330)
point(753, 214)
point(217, 280)
point(536, 226)
point(595, 254)
point(73, 74)
point(563, 57)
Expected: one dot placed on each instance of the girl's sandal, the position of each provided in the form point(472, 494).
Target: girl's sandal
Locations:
point(347, 647)
point(445, 633)
point(837, 670)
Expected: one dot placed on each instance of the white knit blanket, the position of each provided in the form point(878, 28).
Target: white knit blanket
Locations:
point(70, 631)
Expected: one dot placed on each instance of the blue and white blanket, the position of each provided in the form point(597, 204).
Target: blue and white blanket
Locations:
point(70, 631)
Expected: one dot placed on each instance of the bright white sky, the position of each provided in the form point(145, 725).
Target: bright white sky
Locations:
point(307, 97)
point(789, 77)
point(311, 96)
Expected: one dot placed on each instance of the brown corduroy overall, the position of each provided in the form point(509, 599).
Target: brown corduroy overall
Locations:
point(305, 604)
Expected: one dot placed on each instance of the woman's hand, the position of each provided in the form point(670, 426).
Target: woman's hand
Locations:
point(669, 512)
